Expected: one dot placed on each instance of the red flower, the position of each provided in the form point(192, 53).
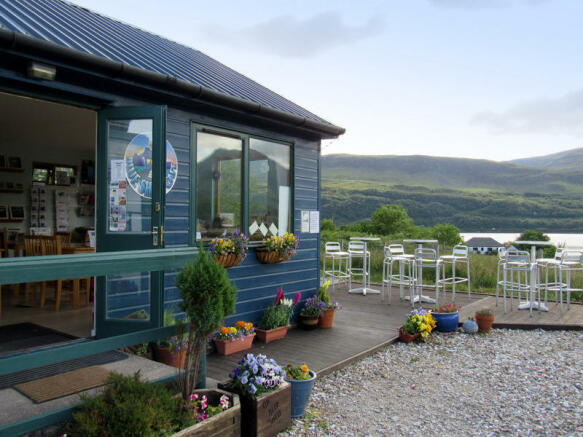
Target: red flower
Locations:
point(297, 298)
point(279, 296)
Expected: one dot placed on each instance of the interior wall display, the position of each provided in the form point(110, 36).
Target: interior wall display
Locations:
point(63, 204)
point(17, 212)
point(138, 165)
point(14, 162)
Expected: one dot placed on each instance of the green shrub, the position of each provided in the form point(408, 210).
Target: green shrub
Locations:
point(275, 316)
point(129, 407)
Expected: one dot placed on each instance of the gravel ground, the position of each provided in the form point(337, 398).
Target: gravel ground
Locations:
point(506, 383)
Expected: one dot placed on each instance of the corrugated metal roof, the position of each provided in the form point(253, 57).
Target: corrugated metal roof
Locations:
point(78, 28)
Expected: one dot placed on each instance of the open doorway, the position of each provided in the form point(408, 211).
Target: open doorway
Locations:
point(47, 207)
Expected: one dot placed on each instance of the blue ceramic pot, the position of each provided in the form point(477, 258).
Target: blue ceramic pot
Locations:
point(446, 322)
point(300, 393)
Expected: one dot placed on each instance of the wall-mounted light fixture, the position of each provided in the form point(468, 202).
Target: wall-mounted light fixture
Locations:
point(41, 71)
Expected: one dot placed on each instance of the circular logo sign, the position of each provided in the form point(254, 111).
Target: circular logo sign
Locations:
point(138, 159)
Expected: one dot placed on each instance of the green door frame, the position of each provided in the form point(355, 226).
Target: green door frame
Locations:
point(110, 241)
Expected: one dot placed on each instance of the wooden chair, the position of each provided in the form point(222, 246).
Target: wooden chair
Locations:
point(33, 247)
point(65, 238)
point(52, 246)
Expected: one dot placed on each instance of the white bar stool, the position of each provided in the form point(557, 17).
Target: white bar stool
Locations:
point(522, 278)
point(395, 253)
point(571, 261)
point(459, 254)
point(357, 250)
point(339, 259)
point(425, 258)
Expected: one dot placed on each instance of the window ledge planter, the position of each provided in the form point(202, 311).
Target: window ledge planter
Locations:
point(226, 423)
point(267, 415)
point(269, 335)
point(228, 347)
point(446, 322)
point(405, 337)
point(228, 260)
point(273, 257)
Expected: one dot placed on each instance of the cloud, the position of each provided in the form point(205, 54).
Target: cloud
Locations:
point(483, 4)
point(287, 36)
point(563, 115)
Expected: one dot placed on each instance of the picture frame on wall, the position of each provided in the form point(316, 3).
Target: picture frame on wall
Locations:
point(14, 162)
point(17, 212)
point(4, 212)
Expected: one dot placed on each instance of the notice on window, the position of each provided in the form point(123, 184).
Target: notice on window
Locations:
point(118, 171)
point(314, 222)
point(305, 228)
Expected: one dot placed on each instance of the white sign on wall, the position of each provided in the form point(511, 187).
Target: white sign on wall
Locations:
point(310, 222)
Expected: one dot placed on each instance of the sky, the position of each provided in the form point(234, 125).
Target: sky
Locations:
point(487, 79)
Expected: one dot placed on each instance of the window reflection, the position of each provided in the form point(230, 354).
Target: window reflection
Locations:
point(269, 189)
point(218, 175)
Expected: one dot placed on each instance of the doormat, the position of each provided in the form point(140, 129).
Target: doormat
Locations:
point(65, 384)
point(23, 336)
point(12, 379)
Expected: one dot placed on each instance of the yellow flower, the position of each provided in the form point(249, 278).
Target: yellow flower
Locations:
point(304, 368)
point(248, 325)
point(232, 330)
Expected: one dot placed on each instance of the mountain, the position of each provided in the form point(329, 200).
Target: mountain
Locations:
point(475, 195)
point(567, 160)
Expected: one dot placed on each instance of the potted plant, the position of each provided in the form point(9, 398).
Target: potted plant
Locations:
point(446, 317)
point(418, 324)
point(232, 339)
point(130, 406)
point(326, 319)
point(171, 351)
point(277, 249)
point(310, 314)
point(208, 296)
point(485, 319)
point(229, 251)
point(301, 379)
point(265, 396)
point(275, 320)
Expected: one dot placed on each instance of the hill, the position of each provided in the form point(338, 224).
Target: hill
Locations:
point(475, 195)
point(567, 160)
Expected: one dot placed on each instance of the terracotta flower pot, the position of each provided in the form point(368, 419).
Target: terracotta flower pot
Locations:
point(228, 347)
point(484, 322)
point(405, 337)
point(228, 260)
point(308, 322)
point(165, 356)
point(326, 319)
point(269, 335)
point(266, 257)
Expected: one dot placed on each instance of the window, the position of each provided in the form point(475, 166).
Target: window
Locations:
point(226, 163)
point(218, 182)
point(269, 189)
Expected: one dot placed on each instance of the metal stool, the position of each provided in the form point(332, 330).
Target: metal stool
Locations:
point(571, 261)
point(522, 278)
point(425, 258)
point(356, 251)
point(333, 252)
point(395, 253)
point(460, 254)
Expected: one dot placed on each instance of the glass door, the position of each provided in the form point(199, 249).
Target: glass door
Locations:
point(131, 180)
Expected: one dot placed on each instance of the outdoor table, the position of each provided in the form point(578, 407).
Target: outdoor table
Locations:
point(533, 245)
point(364, 290)
point(419, 285)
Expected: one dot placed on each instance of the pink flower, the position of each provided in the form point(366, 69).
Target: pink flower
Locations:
point(297, 298)
point(279, 296)
point(202, 416)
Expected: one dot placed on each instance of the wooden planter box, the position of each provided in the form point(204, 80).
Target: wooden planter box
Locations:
point(228, 260)
point(228, 347)
point(163, 355)
point(227, 423)
point(268, 414)
point(270, 335)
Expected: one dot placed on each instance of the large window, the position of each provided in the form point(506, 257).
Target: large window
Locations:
point(224, 179)
point(269, 188)
point(218, 176)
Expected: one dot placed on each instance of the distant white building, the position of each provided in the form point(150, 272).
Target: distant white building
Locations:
point(483, 245)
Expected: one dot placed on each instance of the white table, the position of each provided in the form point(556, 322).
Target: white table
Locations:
point(533, 245)
point(420, 297)
point(364, 289)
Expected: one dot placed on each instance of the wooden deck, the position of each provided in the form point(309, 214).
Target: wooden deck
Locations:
point(366, 325)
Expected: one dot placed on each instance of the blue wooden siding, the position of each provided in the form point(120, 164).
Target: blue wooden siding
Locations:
point(257, 283)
